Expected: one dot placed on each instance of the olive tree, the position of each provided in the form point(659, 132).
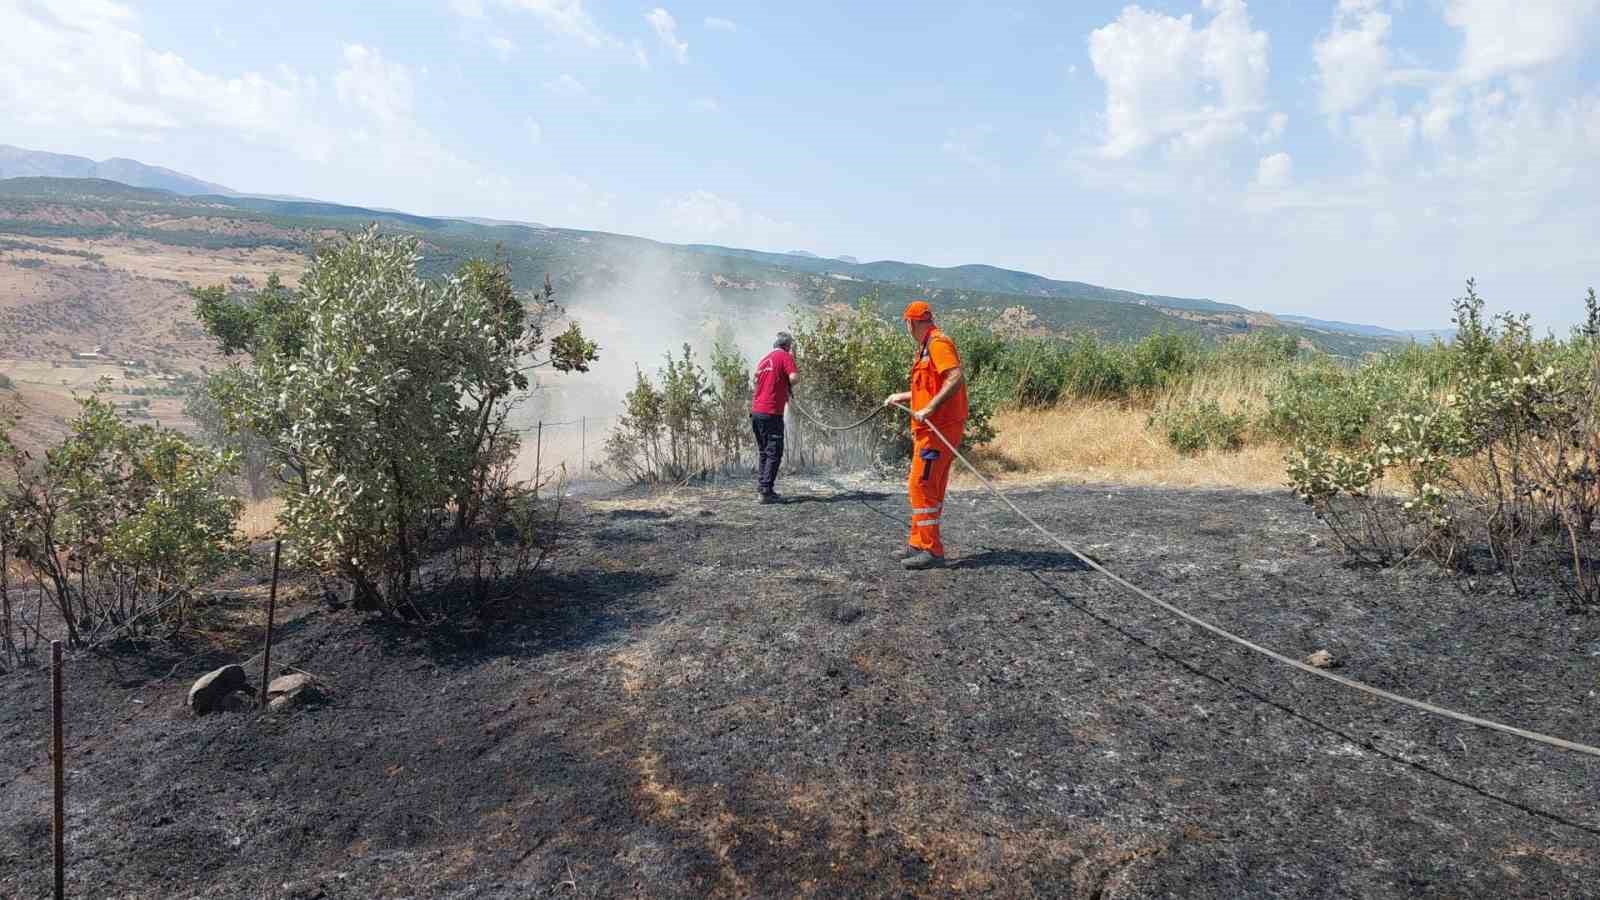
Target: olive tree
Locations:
point(381, 395)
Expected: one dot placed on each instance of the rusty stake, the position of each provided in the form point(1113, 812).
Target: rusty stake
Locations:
point(272, 608)
point(58, 823)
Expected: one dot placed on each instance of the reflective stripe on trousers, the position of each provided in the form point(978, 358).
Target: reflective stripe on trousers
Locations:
point(929, 476)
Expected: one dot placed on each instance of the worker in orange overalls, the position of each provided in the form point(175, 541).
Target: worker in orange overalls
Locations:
point(938, 398)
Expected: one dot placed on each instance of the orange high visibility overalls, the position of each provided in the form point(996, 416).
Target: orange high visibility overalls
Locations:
point(930, 458)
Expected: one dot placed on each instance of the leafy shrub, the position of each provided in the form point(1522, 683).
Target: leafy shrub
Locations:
point(5, 382)
point(383, 400)
point(120, 525)
point(1194, 427)
point(693, 423)
point(1160, 360)
point(1489, 445)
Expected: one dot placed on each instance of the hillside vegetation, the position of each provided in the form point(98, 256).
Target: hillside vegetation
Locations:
point(577, 260)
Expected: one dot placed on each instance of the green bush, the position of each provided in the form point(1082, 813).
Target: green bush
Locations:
point(143, 511)
point(382, 398)
point(684, 422)
point(1195, 427)
point(850, 361)
point(1492, 442)
point(1160, 360)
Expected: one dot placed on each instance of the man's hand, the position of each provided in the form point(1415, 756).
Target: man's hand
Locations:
point(922, 415)
point(896, 399)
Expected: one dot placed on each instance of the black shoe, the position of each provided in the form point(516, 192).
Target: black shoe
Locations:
point(922, 559)
point(769, 497)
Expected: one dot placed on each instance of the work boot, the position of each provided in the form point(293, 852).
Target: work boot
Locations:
point(922, 559)
point(905, 552)
point(770, 497)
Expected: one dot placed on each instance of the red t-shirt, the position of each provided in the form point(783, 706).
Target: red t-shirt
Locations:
point(772, 383)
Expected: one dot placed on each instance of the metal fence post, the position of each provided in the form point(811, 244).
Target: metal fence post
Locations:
point(58, 821)
point(272, 609)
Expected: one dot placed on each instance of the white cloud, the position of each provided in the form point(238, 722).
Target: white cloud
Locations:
point(666, 29)
point(532, 129)
point(564, 17)
point(717, 23)
point(639, 57)
point(382, 89)
point(85, 66)
point(1275, 171)
point(1503, 36)
point(1167, 80)
point(502, 46)
point(1352, 58)
point(566, 86)
point(1384, 134)
point(1275, 128)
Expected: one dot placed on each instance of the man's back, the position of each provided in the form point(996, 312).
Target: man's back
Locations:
point(772, 383)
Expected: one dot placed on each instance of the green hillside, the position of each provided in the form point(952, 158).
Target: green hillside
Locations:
point(580, 260)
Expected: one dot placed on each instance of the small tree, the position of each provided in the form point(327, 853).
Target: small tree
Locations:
point(732, 392)
point(382, 396)
point(633, 450)
point(119, 524)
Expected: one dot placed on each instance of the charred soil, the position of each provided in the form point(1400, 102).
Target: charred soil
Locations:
point(707, 697)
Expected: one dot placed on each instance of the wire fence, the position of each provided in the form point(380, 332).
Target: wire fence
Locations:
point(577, 446)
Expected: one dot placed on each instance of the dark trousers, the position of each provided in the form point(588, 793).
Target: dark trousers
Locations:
point(769, 446)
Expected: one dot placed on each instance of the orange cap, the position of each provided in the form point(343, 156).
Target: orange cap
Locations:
point(917, 311)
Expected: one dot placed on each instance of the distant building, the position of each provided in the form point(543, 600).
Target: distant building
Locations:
point(96, 353)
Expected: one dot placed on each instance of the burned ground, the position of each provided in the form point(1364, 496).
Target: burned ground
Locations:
point(713, 698)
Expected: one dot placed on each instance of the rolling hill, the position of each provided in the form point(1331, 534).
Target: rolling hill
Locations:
point(590, 262)
point(16, 162)
point(588, 252)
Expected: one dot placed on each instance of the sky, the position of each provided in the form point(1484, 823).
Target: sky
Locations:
point(1352, 160)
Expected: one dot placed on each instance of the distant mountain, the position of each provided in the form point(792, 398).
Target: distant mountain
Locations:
point(1420, 334)
point(16, 162)
point(597, 262)
point(479, 220)
point(965, 278)
point(25, 172)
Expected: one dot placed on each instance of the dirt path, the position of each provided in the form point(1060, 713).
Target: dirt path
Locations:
point(717, 698)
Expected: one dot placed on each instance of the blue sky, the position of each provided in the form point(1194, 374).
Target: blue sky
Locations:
point(1353, 159)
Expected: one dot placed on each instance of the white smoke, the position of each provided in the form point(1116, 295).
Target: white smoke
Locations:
point(638, 310)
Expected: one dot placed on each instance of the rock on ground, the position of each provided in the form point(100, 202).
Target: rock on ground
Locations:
point(213, 691)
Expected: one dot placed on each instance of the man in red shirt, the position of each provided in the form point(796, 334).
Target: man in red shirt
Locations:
point(938, 397)
point(774, 376)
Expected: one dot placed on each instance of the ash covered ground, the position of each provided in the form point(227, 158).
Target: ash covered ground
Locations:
point(707, 697)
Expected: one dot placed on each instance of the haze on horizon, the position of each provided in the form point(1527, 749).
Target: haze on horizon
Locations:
point(1349, 160)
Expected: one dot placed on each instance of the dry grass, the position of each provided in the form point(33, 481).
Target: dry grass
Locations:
point(260, 518)
point(1109, 442)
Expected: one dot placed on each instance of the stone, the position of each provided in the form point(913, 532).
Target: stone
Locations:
point(212, 690)
point(290, 684)
point(1321, 659)
point(294, 689)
